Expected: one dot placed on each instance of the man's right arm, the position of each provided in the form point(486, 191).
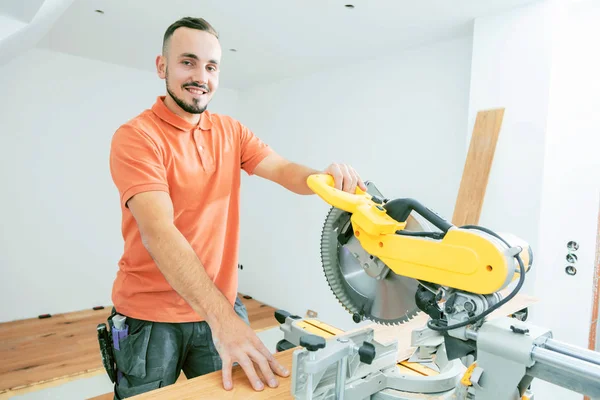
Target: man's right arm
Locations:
point(172, 253)
point(235, 341)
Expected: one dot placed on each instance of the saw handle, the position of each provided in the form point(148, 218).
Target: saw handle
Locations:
point(324, 186)
point(400, 209)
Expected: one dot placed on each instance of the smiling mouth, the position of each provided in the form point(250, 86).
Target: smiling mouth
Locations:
point(196, 91)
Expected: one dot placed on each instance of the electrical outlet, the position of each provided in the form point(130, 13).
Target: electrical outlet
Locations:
point(311, 314)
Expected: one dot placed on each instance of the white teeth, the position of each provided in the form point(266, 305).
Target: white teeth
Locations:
point(198, 91)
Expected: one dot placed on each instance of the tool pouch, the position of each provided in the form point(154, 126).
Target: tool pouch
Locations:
point(106, 351)
point(130, 347)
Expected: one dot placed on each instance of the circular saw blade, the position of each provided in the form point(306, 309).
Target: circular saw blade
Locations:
point(389, 300)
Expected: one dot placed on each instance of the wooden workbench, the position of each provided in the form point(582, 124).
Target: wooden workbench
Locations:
point(210, 386)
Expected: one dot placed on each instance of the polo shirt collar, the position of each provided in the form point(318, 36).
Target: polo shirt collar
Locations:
point(162, 111)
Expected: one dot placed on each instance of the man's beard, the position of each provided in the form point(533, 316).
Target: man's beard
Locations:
point(194, 108)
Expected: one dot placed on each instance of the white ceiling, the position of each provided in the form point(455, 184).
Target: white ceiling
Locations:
point(274, 39)
point(22, 10)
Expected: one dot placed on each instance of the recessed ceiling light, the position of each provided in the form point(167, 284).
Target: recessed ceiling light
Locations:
point(349, 6)
point(100, 11)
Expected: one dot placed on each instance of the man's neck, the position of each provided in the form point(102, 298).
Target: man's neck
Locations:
point(174, 107)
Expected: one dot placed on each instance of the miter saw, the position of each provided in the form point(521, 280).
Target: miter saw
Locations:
point(391, 261)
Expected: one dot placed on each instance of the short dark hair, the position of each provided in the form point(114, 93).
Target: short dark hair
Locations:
point(188, 22)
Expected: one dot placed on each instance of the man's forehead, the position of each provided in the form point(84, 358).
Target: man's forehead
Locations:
point(193, 41)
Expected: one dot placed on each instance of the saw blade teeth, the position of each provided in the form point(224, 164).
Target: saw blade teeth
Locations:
point(333, 275)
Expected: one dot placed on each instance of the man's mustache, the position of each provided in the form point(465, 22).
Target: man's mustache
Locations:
point(194, 84)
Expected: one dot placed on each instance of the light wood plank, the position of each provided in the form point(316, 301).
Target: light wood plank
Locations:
point(477, 167)
point(210, 386)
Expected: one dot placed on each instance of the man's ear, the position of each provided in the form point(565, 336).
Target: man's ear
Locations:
point(161, 66)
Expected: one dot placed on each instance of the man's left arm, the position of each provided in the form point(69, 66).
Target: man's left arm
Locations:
point(293, 176)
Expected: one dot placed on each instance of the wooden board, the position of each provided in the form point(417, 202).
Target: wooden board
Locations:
point(210, 386)
point(477, 168)
point(38, 351)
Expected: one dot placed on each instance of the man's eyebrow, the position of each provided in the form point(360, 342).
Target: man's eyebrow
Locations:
point(189, 55)
point(195, 57)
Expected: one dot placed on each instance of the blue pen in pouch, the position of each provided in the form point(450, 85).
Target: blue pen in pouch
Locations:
point(120, 330)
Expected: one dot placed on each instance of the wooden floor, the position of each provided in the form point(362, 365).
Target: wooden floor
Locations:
point(37, 351)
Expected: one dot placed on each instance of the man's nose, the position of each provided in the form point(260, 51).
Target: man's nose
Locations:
point(201, 76)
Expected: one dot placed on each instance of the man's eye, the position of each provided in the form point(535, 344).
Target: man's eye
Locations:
point(212, 69)
point(186, 62)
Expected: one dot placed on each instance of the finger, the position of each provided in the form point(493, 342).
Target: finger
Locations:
point(248, 368)
point(354, 177)
point(345, 177)
point(337, 176)
point(264, 367)
point(275, 365)
point(361, 184)
point(359, 181)
point(349, 184)
point(278, 368)
point(226, 373)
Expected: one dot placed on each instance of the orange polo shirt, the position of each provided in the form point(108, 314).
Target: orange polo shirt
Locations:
point(200, 167)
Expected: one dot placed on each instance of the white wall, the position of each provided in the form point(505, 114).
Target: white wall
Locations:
point(545, 182)
point(571, 190)
point(61, 237)
point(571, 181)
point(399, 120)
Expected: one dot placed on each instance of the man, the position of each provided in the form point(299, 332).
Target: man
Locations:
point(177, 170)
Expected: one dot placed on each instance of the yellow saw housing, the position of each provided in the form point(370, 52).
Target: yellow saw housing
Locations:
point(464, 259)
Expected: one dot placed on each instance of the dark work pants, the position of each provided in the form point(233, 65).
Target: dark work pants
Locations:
point(154, 353)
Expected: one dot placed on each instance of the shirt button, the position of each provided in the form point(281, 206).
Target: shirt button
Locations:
point(199, 147)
